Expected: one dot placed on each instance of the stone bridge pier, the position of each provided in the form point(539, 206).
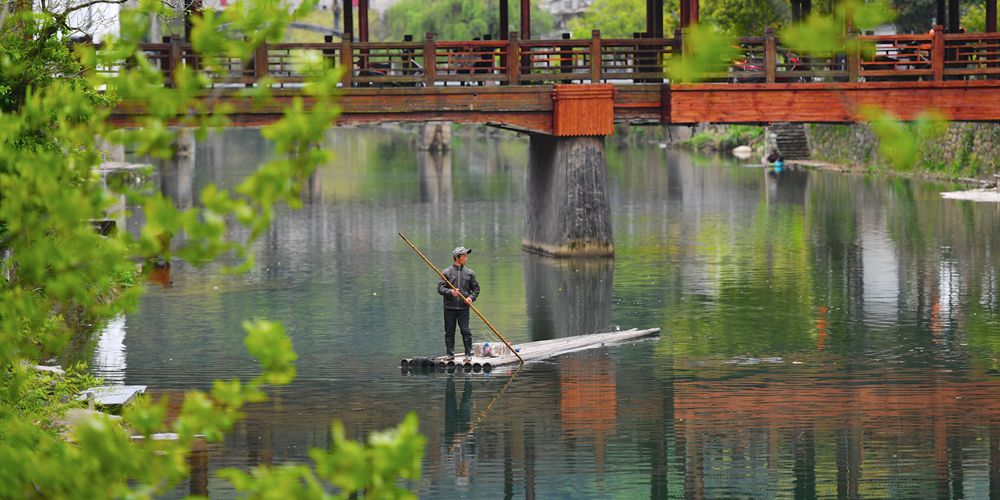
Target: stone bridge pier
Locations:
point(568, 212)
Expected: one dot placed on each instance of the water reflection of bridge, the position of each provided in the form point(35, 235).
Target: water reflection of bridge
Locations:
point(939, 428)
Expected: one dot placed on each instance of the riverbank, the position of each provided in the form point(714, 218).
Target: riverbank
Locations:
point(965, 152)
point(961, 152)
point(921, 175)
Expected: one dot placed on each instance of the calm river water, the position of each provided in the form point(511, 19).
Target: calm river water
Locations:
point(823, 334)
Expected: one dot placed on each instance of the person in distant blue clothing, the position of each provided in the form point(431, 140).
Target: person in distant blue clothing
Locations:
point(777, 160)
point(457, 302)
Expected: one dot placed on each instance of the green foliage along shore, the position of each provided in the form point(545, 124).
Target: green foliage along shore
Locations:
point(56, 269)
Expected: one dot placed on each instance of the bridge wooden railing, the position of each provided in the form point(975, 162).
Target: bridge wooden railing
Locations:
point(430, 62)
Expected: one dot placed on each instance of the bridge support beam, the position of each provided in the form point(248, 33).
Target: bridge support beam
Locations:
point(568, 210)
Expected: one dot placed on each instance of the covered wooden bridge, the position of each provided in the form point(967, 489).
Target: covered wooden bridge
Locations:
point(571, 87)
point(568, 93)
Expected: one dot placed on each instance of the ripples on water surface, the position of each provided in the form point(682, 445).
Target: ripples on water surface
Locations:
point(824, 335)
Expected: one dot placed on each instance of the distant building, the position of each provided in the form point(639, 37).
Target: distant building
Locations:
point(564, 10)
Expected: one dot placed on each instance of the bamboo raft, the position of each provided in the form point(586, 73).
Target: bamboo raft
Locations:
point(487, 356)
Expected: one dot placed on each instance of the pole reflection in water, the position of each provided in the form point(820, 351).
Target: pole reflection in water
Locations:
point(109, 355)
point(567, 297)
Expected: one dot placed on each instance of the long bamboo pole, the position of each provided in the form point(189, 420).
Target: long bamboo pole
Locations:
point(471, 306)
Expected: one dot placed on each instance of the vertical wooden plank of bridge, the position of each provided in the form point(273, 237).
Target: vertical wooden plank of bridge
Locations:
point(430, 60)
point(363, 21)
point(853, 56)
point(770, 55)
point(175, 58)
point(937, 54)
point(659, 19)
point(513, 56)
point(991, 16)
point(650, 17)
point(595, 56)
point(348, 20)
point(525, 20)
point(954, 16)
point(991, 27)
point(363, 37)
point(346, 60)
point(689, 13)
point(504, 20)
point(260, 60)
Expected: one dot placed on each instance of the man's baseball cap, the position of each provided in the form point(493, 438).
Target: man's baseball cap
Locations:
point(460, 251)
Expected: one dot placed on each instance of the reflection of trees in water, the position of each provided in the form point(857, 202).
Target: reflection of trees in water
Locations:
point(679, 225)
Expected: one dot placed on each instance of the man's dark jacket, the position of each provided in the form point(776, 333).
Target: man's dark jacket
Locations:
point(465, 279)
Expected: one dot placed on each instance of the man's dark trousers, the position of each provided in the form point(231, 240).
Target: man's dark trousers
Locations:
point(460, 316)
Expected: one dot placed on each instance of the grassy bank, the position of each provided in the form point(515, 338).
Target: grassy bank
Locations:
point(950, 151)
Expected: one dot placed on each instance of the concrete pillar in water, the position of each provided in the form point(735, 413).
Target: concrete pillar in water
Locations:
point(568, 211)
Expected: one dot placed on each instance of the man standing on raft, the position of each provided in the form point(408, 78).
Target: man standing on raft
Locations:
point(456, 309)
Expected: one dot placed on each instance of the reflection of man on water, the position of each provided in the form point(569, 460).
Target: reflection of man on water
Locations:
point(457, 426)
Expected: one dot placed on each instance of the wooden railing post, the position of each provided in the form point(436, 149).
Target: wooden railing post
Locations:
point(770, 55)
point(260, 62)
point(329, 53)
point(565, 56)
point(430, 59)
point(595, 56)
point(175, 58)
point(686, 48)
point(513, 58)
point(853, 56)
point(676, 46)
point(937, 53)
point(346, 61)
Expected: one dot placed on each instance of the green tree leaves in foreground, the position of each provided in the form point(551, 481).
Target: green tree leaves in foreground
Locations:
point(59, 278)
